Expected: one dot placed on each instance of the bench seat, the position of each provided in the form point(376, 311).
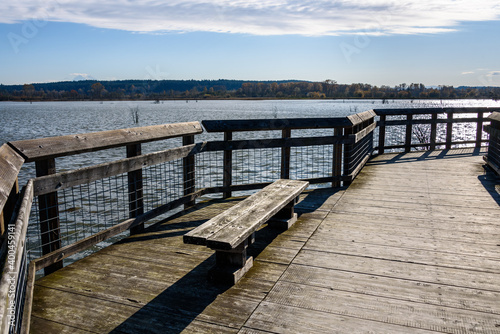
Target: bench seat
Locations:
point(232, 231)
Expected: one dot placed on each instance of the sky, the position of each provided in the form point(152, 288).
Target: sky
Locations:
point(378, 42)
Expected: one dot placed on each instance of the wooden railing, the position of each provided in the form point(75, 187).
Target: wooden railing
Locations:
point(493, 157)
point(428, 128)
point(342, 145)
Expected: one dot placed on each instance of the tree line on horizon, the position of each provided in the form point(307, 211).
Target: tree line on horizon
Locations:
point(227, 89)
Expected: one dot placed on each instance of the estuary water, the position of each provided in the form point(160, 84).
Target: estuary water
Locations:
point(24, 120)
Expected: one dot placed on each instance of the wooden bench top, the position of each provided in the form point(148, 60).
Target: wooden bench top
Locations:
point(233, 226)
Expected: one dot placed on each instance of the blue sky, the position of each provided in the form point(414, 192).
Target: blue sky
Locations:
point(380, 42)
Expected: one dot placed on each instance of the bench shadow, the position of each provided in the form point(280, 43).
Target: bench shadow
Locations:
point(491, 182)
point(185, 300)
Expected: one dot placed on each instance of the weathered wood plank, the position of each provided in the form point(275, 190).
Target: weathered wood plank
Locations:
point(60, 181)
point(10, 165)
point(418, 111)
point(385, 310)
point(51, 147)
point(411, 290)
point(274, 124)
point(285, 319)
point(11, 269)
point(401, 270)
point(244, 218)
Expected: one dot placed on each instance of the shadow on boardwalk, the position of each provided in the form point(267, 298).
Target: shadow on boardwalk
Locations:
point(182, 303)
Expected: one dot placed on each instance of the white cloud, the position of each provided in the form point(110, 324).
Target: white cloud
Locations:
point(467, 72)
point(259, 17)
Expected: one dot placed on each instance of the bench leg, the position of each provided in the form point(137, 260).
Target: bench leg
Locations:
point(286, 217)
point(231, 265)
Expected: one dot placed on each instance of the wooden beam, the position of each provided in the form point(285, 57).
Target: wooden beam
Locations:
point(135, 191)
point(408, 133)
point(52, 147)
point(449, 130)
point(285, 155)
point(274, 124)
point(227, 165)
point(188, 170)
point(337, 160)
point(48, 210)
point(12, 268)
point(60, 181)
point(10, 165)
point(419, 111)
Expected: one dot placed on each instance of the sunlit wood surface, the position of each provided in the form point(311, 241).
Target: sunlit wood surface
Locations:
point(412, 246)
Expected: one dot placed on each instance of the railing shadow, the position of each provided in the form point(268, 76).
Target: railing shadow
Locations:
point(491, 182)
point(184, 301)
point(394, 158)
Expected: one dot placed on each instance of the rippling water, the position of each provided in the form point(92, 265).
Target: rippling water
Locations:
point(23, 120)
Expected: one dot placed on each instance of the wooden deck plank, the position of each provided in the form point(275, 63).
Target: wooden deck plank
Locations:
point(395, 288)
point(410, 247)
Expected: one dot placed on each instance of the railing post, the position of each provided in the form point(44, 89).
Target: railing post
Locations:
point(381, 135)
point(479, 129)
point(188, 171)
point(285, 155)
point(135, 189)
point(227, 177)
point(433, 132)
point(8, 209)
point(348, 148)
point(49, 215)
point(449, 130)
point(337, 159)
point(409, 132)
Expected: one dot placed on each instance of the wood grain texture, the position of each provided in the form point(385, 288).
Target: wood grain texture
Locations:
point(229, 229)
point(51, 147)
point(10, 165)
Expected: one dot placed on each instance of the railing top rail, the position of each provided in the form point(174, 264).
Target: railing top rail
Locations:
point(361, 117)
point(285, 123)
point(52, 147)
point(417, 111)
point(495, 116)
point(10, 165)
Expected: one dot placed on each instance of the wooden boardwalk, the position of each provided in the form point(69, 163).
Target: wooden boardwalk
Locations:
point(412, 246)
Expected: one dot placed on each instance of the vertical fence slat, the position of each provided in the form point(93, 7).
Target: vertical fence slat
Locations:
point(48, 209)
point(381, 135)
point(449, 130)
point(337, 159)
point(227, 177)
point(479, 129)
point(135, 189)
point(285, 155)
point(348, 148)
point(188, 171)
point(433, 131)
point(409, 132)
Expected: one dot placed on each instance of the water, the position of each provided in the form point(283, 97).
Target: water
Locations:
point(23, 120)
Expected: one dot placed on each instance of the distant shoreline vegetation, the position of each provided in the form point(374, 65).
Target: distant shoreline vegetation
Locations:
point(156, 90)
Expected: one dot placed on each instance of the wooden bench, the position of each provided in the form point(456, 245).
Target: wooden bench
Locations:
point(231, 232)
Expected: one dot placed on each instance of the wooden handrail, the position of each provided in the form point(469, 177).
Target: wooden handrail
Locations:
point(10, 165)
point(53, 147)
point(421, 111)
point(16, 244)
point(274, 124)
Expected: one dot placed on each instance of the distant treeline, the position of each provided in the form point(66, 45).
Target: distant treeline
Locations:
point(217, 89)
